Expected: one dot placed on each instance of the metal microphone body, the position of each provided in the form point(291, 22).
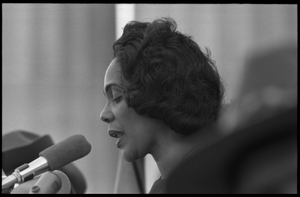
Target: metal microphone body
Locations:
point(26, 172)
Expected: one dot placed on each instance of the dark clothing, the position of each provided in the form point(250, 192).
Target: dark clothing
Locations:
point(261, 158)
point(158, 187)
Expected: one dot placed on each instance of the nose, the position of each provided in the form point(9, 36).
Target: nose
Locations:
point(106, 116)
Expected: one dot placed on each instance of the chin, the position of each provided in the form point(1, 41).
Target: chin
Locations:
point(129, 156)
point(129, 159)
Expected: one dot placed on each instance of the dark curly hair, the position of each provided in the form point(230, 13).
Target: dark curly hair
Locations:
point(170, 77)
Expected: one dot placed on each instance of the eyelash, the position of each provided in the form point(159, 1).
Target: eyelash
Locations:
point(117, 99)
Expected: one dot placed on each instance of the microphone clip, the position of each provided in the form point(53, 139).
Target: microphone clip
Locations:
point(17, 174)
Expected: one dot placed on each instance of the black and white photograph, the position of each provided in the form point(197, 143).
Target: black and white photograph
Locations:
point(149, 98)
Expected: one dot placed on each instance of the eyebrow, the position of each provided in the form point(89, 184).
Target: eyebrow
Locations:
point(108, 86)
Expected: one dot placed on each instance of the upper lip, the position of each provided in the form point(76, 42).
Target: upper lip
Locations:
point(115, 133)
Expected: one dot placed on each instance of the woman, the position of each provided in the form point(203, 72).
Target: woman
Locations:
point(162, 92)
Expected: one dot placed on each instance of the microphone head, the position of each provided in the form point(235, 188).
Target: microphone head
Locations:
point(66, 151)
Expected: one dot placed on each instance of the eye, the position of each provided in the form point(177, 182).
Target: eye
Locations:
point(117, 99)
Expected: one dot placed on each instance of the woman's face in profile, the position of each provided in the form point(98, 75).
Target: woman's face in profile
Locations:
point(136, 135)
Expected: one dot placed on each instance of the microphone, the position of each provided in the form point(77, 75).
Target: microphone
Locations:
point(52, 158)
point(50, 182)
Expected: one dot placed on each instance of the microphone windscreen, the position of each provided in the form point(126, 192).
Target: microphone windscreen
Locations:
point(66, 151)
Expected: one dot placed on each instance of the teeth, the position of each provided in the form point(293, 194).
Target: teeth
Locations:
point(119, 135)
point(115, 134)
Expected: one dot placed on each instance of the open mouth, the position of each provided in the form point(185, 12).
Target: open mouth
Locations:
point(115, 134)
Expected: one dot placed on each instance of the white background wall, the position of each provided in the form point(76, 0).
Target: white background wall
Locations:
point(54, 61)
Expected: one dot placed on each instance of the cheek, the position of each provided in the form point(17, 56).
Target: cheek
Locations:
point(133, 124)
point(125, 116)
point(137, 128)
point(123, 112)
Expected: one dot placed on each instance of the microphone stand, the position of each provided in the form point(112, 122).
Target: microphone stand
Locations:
point(138, 176)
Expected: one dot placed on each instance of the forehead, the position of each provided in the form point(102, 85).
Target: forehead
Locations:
point(113, 73)
point(113, 77)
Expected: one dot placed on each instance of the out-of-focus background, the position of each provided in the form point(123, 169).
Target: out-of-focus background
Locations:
point(54, 58)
